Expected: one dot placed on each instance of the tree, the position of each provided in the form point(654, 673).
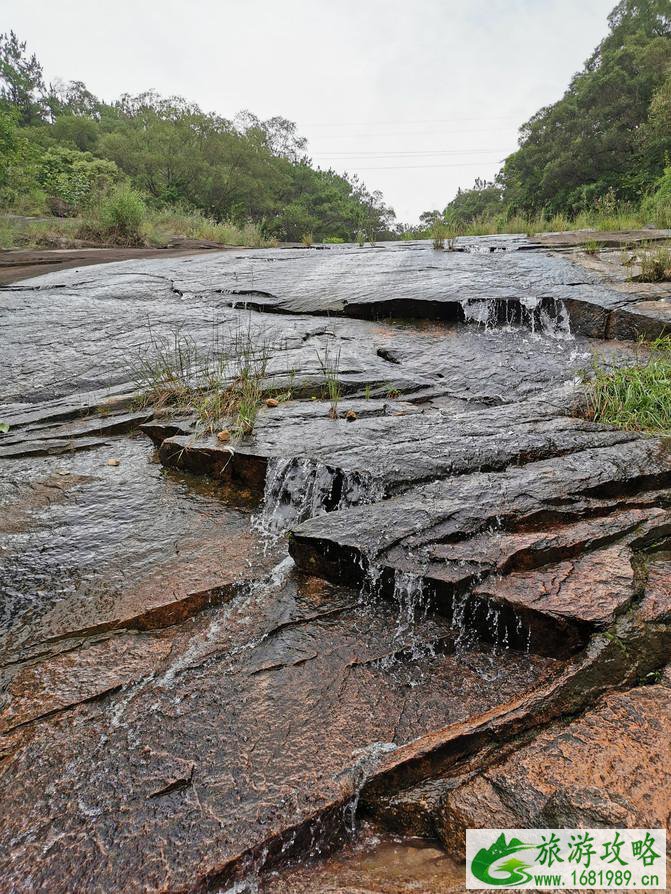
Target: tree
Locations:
point(483, 200)
point(589, 143)
point(21, 80)
point(173, 153)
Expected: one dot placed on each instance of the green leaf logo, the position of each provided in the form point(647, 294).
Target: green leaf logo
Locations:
point(507, 873)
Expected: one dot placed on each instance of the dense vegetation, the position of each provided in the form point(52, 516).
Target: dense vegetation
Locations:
point(145, 163)
point(602, 153)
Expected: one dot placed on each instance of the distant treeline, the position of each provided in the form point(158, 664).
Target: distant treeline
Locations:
point(603, 150)
point(62, 149)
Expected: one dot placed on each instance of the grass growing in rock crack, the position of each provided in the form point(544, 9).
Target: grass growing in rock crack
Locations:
point(222, 380)
point(637, 397)
point(655, 265)
point(329, 362)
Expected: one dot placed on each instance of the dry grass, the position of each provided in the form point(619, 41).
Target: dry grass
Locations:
point(655, 265)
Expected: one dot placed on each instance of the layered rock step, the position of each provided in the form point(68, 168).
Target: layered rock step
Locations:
point(537, 556)
point(493, 281)
point(391, 446)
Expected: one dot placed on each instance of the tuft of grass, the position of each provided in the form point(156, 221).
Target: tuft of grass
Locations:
point(307, 240)
point(591, 247)
point(57, 232)
point(224, 380)
point(655, 265)
point(114, 222)
point(329, 363)
point(637, 397)
point(361, 238)
point(438, 233)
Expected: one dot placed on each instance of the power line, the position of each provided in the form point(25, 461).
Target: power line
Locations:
point(463, 164)
point(413, 133)
point(400, 121)
point(410, 153)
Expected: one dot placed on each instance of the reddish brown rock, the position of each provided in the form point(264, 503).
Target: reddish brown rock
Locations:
point(246, 743)
point(586, 592)
point(374, 863)
point(611, 766)
point(87, 672)
point(656, 604)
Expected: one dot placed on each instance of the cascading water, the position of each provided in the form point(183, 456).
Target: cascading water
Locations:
point(410, 595)
point(367, 760)
point(541, 316)
point(299, 488)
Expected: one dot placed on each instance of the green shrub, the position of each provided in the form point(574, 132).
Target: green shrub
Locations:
point(118, 220)
point(73, 181)
point(657, 206)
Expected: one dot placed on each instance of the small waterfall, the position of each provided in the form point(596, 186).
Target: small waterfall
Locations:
point(299, 488)
point(411, 597)
point(541, 316)
point(367, 760)
point(465, 634)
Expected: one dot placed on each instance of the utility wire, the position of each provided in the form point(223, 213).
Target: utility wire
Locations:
point(463, 164)
point(410, 153)
point(400, 121)
point(413, 133)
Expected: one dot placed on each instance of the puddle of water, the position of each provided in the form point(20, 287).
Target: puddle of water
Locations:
point(373, 864)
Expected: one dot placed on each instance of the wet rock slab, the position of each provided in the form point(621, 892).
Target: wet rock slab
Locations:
point(383, 452)
point(74, 332)
point(87, 548)
point(490, 278)
point(180, 705)
point(609, 767)
point(253, 732)
point(458, 537)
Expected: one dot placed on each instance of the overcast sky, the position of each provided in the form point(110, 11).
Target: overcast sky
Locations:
point(417, 96)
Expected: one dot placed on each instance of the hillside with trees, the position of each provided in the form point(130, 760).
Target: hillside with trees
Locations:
point(603, 150)
point(118, 165)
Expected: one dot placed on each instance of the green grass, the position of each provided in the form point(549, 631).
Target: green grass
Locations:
point(444, 235)
point(625, 218)
point(161, 226)
point(34, 234)
point(329, 362)
point(637, 397)
point(219, 382)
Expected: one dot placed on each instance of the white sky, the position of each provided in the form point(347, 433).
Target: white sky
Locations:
point(417, 96)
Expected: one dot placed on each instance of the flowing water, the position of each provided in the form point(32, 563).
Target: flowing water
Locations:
point(186, 684)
